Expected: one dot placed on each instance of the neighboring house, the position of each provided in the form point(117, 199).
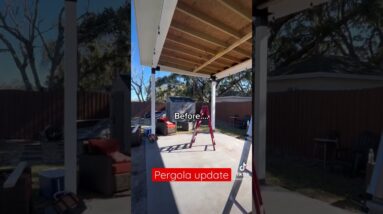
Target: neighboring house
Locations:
point(232, 99)
point(325, 73)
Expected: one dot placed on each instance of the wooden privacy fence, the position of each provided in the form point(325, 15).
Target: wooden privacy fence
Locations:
point(23, 114)
point(295, 118)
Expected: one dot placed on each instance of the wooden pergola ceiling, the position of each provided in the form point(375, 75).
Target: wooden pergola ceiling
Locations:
point(208, 36)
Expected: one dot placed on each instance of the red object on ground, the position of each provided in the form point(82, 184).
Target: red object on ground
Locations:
point(109, 147)
point(204, 114)
point(170, 125)
point(167, 122)
point(105, 146)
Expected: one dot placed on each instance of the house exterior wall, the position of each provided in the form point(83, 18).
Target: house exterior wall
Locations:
point(322, 84)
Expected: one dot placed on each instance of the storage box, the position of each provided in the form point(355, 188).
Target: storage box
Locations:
point(165, 127)
point(184, 126)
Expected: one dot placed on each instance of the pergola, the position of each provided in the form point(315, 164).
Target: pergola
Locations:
point(200, 38)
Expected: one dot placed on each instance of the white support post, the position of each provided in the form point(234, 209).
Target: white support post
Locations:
point(153, 100)
point(213, 87)
point(260, 96)
point(70, 96)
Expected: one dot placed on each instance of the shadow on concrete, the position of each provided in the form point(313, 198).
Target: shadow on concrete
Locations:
point(138, 181)
point(160, 198)
point(185, 147)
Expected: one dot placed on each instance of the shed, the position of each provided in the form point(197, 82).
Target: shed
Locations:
point(180, 105)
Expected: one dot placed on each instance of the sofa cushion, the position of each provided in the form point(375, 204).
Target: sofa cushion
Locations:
point(105, 146)
point(122, 167)
point(119, 157)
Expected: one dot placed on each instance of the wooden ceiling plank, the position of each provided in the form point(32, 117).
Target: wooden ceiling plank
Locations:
point(182, 72)
point(185, 67)
point(188, 54)
point(181, 65)
point(198, 35)
point(198, 47)
point(228, 49)
point(204, 37)
point(190, 61)
point(172, 63)
point(235, 7)
point(185, 9)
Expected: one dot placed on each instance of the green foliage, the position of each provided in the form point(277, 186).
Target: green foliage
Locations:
point(199, 88)
point(342, 27)
point(104, 48)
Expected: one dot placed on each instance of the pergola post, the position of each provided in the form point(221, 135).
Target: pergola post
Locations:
point(260, 92)
point(70, 96)
point(153, 100)
point(212, 107)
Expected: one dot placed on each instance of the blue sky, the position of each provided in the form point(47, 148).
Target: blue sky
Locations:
point(49, 10)
point(136, 65)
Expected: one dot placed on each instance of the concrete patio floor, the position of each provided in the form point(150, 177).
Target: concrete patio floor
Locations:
point(119, 204)
point(200, 197)
point(194, 197)
point(279, 200)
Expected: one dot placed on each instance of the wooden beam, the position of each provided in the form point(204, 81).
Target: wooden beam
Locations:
point(200, 48)
point(198, 35)
point(183, 67)
point(234, 69)
point(194, 63)
point(182, 72)
point(204, 37)
point(168, 8)
point(185, 9)
point(228, 49)
point(188, 54)
point(235, 7)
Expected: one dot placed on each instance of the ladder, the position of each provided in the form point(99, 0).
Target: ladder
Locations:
point(204, 114)
point(238, 181)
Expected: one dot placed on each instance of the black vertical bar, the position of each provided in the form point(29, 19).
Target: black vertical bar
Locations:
point(252, 100)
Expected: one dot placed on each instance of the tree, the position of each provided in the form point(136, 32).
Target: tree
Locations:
point(19, 33)
point(199, 88)
point(139, 87)
point(104, 44)
point(104, 48)
point(350, 28)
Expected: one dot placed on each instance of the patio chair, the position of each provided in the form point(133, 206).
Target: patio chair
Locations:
point(355, 159)
point(103, 168)
point(329, 142)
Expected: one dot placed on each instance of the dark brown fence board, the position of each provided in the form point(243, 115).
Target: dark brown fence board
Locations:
point(25, 114)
